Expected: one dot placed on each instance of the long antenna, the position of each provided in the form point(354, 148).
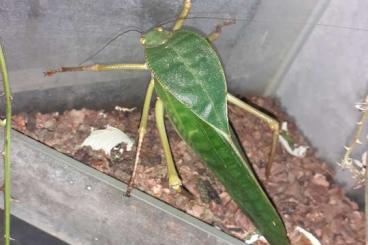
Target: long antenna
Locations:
point(108, 43)
point(250, 20)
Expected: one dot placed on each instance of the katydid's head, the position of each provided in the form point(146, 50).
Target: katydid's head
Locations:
point(155, 37)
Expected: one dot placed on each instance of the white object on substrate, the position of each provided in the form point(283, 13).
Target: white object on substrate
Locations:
point(313, 240)
point(253, 238)
point(290, 147)
point(124, 109)
point(106, 139)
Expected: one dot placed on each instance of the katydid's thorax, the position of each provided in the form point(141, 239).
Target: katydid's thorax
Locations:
point(186, 66)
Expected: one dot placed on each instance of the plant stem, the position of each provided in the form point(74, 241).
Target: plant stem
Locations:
point(6, 151)
point(358, 131)
point(347, 161)
point(366, 203)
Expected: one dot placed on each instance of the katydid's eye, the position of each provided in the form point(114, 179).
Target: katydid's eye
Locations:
point(160, 29)
point(142, 40)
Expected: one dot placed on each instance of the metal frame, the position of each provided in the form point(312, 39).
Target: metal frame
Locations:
point(81, 205)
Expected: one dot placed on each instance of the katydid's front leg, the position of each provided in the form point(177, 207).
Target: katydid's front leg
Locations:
point(141, 132)
point(213, 36)
point(272, 123)
point(183, 15)
point(98, 67)
point(174, 180)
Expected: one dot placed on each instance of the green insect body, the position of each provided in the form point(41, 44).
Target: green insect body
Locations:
point(190, 81)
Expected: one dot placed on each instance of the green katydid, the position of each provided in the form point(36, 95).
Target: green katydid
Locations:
point(189, 80)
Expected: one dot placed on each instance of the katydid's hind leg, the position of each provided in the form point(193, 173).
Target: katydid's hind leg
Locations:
point(174, 180)
point(141, 132)
point(98, 67)
point(217, 32)
point(183, 15)
point(272, 123)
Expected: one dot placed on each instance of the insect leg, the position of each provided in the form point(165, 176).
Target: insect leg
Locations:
point(184, 14)
point(216, 33)
point(272, 123)
point(174, 180)
point(141, 132)
point(98, 67)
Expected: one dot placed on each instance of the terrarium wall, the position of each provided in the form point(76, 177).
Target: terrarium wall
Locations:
point(308, 54)
point(325, 81)
point(41, 34)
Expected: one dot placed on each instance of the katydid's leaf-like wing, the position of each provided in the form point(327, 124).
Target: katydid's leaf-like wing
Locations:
point(189, 68)
point(190, 81)
point(223, 156)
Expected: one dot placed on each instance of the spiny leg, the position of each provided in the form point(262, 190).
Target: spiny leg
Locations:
point(174, 180)
point(141, 132)
point(98, 67)
point(213, 36)
point(183, 15)
point(272, 123)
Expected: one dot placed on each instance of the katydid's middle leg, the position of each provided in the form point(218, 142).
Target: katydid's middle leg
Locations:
point(174, 180)
point(141, 132)
point(272, 123)
point(98, 67)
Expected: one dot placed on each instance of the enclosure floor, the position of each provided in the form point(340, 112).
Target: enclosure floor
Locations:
point(303, 189)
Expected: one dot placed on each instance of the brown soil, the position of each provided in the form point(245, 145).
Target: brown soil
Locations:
point(302, 188)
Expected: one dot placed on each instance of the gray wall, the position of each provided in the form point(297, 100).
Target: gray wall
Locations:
point(42, 34)
point(328, 76)
point(275, 48)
